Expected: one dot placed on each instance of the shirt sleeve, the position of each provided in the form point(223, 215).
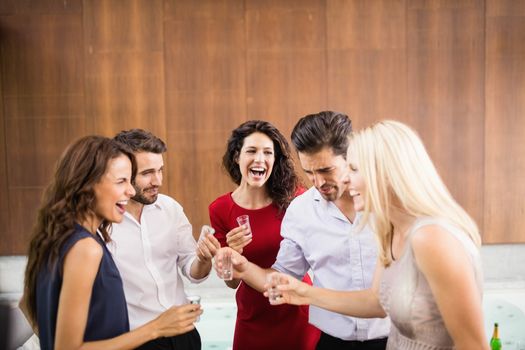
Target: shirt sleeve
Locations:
point(290, 258)
point(186, 245)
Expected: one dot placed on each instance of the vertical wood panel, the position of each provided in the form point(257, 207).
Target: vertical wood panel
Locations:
point(40, 6)
point(23, 207)
point(286, 61)
point(124, 65)
point(191, 71)
point(367, 63)
point(42, 70)
point(205, 94)
point(34, 146)
point(446, 92)
point(5, 237)
point(505, 122)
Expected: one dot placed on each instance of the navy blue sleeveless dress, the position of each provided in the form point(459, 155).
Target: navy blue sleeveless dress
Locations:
point(107, 315)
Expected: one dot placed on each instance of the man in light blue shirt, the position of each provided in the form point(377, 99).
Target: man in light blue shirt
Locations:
point(320, 233)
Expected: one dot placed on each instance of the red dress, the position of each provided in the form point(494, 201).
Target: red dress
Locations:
point(260, 325)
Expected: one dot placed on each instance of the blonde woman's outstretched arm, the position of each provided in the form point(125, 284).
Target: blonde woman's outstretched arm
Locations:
point(359, 303)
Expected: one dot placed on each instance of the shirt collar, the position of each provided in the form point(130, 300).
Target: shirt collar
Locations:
point(333, 209)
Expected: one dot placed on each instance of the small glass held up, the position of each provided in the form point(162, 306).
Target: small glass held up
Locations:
point(244, 220)
point(206, 230)
point(272, 279)
point(194, 299)
point(226, 270)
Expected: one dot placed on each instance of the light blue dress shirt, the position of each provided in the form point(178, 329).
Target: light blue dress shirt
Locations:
point(318, 236)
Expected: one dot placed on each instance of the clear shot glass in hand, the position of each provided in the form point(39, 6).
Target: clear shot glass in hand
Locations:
point(272, 279)
point(194, 299)
point(206, 230)
point(226, 271)
point(244, 220)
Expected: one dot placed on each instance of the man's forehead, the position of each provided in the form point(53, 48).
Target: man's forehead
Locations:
point(325, 158)
point(149, 160)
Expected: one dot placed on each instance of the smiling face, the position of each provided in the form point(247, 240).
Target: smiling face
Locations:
point(113, 190)
point(357, 184)
point(149, 176)
point(256, 159)
point(327, 172)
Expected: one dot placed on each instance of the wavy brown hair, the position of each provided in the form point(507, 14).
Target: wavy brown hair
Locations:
point(69, 198)
point(283, 181)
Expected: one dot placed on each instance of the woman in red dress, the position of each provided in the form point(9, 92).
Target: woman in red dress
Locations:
point(258, 160)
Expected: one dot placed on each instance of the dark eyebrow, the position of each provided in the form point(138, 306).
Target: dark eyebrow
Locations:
point(150, 170)
point(319, 170)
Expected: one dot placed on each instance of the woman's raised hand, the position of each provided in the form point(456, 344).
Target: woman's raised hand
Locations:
point(238, 238)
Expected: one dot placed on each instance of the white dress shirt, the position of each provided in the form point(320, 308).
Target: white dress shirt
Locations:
point(148, 255)
point(318, 236)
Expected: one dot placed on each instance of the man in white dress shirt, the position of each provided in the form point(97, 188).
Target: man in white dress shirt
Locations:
point(154, 241)
point(320, 232)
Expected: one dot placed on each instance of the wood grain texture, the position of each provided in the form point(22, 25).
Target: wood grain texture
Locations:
point(205, 98)
point(43, 105)
point(446, 92)
point(40, 7)
point(197, 177)
point(34, 146)
point(124, 57)
point(505, 122)
point(23, 208)
point(42, 56)
point(5, 237)
point(367, 59)
point(286, 61)
point(191, 71)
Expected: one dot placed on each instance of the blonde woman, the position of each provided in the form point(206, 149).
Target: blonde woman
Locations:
point(428, 278)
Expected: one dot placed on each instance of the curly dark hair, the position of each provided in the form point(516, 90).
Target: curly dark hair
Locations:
point(68, 199)
point(283, 181)
point(324, 129)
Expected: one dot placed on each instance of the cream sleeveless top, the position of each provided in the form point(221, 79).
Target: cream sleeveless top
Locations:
point(406, 296)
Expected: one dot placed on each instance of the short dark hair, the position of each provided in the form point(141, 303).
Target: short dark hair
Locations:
point(139, 140)
point(324, 129)
point(283, 181)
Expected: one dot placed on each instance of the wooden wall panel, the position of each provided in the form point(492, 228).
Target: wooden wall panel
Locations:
point(40, 6)
point(367, 63)
point(34, 147)
point(205, 97)
point(23, 206)
point(42, 57)
point(42, 73)
point(191, 71)
point(124, 56)
point(446, 92)
point(5, 238)
point(286, 62)
point(505, 122)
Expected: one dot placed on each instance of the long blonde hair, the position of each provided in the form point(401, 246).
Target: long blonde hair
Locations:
point(396, 167)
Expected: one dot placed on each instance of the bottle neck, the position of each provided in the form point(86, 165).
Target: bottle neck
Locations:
point(495, 334)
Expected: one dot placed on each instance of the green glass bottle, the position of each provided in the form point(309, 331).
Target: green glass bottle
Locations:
point(495, 342)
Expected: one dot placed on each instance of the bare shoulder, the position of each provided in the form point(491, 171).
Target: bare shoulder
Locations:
point(433, 243)
point(85, 251)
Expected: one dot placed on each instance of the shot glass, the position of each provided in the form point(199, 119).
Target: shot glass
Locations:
point(206, 230)
point(194, 299)
point(273, 280)
point(226, 271)
point(245, 220)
